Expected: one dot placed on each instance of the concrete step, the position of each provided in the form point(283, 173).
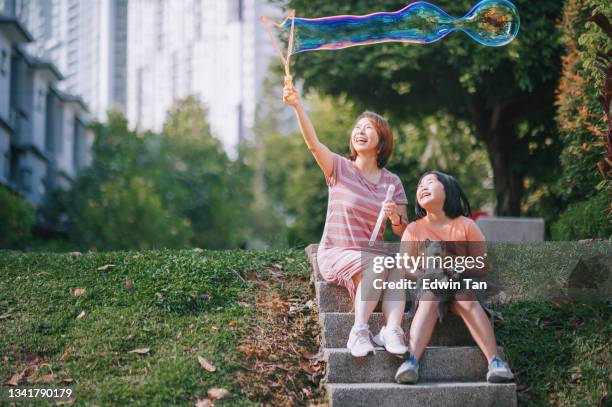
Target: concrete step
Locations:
point(480, 394)
point(438, 364)
point(333, 298)
point(335, 328)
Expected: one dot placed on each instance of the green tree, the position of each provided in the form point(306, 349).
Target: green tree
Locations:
point(584, 183)
point(128, 213)
point(506, 94)
point(114, 204)
point(199, 181)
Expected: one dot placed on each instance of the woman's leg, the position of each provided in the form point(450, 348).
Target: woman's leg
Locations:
point(364, 308)
point(423, 324)
point(394, 301)
point(478, 324)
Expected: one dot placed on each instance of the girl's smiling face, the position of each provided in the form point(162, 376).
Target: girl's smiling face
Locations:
point(430, 193)
point(364, 137)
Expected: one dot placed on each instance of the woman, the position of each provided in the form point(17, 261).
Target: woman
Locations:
point(357, 189)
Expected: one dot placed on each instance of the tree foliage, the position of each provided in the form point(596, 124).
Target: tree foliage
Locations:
point(174, 189)
point(506, 93)
point(582, 125)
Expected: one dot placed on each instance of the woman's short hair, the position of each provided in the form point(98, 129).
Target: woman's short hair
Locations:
point(456, 203)
point(385, 135)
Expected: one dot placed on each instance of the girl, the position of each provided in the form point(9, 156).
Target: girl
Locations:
point(442, 211)
point(357, 189)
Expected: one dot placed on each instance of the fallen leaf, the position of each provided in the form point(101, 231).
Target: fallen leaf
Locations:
point(128, 283)
point(67, 380)
point(243, 304)
point(217, 393)
point(308, 355)
point(79, 291)
point(48, 378)
point(197, 250)
point(105, 267)
point(308, 368)
point(204, 403)
point(81, 315)
point(206, 364)
point(140, 351)
point(75, 254)
point(66, 353)
point(15, 379)
point(67, 402)
point(561, 301)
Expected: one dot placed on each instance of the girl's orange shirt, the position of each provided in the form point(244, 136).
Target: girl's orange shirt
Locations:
point(460, 229)
point(462, 237)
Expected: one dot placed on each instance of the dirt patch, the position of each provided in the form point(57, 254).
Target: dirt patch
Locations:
point(281, 364)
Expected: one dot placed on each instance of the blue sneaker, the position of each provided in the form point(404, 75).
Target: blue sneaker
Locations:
point(499, 371)
point(408, 372)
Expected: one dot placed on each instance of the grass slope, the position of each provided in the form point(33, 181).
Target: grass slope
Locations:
point(181, 305)
point(222, 306)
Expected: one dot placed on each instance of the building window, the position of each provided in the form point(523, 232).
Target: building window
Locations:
point(40, 100)
point(236, 10)
point(25, 179)
point(7, 165)
point(240, 124)
point(3, 62)
point(160, 25)
point(197, 16)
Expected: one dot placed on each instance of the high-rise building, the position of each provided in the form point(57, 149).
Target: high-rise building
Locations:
point(214, 50)
point(86, 39)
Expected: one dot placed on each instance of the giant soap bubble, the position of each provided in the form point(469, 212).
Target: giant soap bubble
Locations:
point(490, 22)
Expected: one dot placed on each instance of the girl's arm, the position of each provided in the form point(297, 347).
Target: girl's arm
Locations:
point(321, 153)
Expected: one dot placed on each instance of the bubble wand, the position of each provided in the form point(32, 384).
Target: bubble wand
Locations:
point(285, 60)
point(381, 216)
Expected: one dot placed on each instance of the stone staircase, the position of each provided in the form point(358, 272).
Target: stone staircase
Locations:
point(452, 369)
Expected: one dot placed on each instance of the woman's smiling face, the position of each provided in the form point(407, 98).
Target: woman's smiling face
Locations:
point(430, 193)
point(364, 136)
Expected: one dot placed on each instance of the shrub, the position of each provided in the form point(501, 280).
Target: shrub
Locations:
point(18, 217)
point(586, 219)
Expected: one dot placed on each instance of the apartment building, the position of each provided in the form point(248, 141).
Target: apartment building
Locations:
point(43, 137)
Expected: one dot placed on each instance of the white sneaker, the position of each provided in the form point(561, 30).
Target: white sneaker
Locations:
point(392, 339)
point(359, 343)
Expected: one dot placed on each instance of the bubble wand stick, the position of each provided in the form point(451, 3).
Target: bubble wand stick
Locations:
point(381, 216)
point(284, 60)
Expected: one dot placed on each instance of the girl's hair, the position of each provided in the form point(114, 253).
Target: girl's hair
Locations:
point(455, 204)
point(385, 135)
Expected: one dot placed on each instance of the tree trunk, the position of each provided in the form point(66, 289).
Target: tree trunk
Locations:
point(507, 180)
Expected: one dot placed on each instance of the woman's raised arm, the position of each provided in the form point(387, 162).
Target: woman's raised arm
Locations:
point(321, 153)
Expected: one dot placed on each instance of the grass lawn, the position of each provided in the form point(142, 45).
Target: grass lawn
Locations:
point(181, 305)
point(246, 313)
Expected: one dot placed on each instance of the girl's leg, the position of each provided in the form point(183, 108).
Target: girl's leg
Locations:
point(478, 324)
point(423, 325)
